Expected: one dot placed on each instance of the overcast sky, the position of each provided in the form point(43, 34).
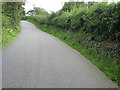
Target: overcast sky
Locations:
point(52, 5)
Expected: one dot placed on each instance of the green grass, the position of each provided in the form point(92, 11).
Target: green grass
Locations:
point(108, 65)
point(8, 35)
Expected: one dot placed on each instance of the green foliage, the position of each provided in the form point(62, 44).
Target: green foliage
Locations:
point(11, 15)
point(41, 19)
point(37, 14)
point(37, 11)
point(78, 18)
point(64, 17)
point(31, 12)
point(99, 19)
point(8, 35)
point(102, 20)
point(68, 6)
point(13, 10)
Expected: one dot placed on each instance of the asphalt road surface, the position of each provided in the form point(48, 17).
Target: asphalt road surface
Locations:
point(39, 60)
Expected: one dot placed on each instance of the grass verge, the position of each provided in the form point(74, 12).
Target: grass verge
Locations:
point(8, 35)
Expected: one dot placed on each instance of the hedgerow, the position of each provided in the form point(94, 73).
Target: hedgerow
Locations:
point(102, 19)
point(11, 16)
point(99, 19)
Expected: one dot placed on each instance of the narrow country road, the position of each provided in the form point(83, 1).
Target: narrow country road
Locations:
point(39, 60)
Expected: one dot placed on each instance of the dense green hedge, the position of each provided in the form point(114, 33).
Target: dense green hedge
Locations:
point(99, 19)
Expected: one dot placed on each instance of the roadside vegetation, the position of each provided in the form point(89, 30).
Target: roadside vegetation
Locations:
point(11, 15)
point(91, 28)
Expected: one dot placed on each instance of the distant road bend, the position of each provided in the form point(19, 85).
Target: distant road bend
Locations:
point(39, 60)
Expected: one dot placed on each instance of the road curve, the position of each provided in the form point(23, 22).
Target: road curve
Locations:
point(39, 60)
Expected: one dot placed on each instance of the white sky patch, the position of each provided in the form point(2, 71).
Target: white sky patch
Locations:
point(53, 5)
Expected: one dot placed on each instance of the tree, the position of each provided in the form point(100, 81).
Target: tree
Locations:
point(37, 11)
point(14, 11)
